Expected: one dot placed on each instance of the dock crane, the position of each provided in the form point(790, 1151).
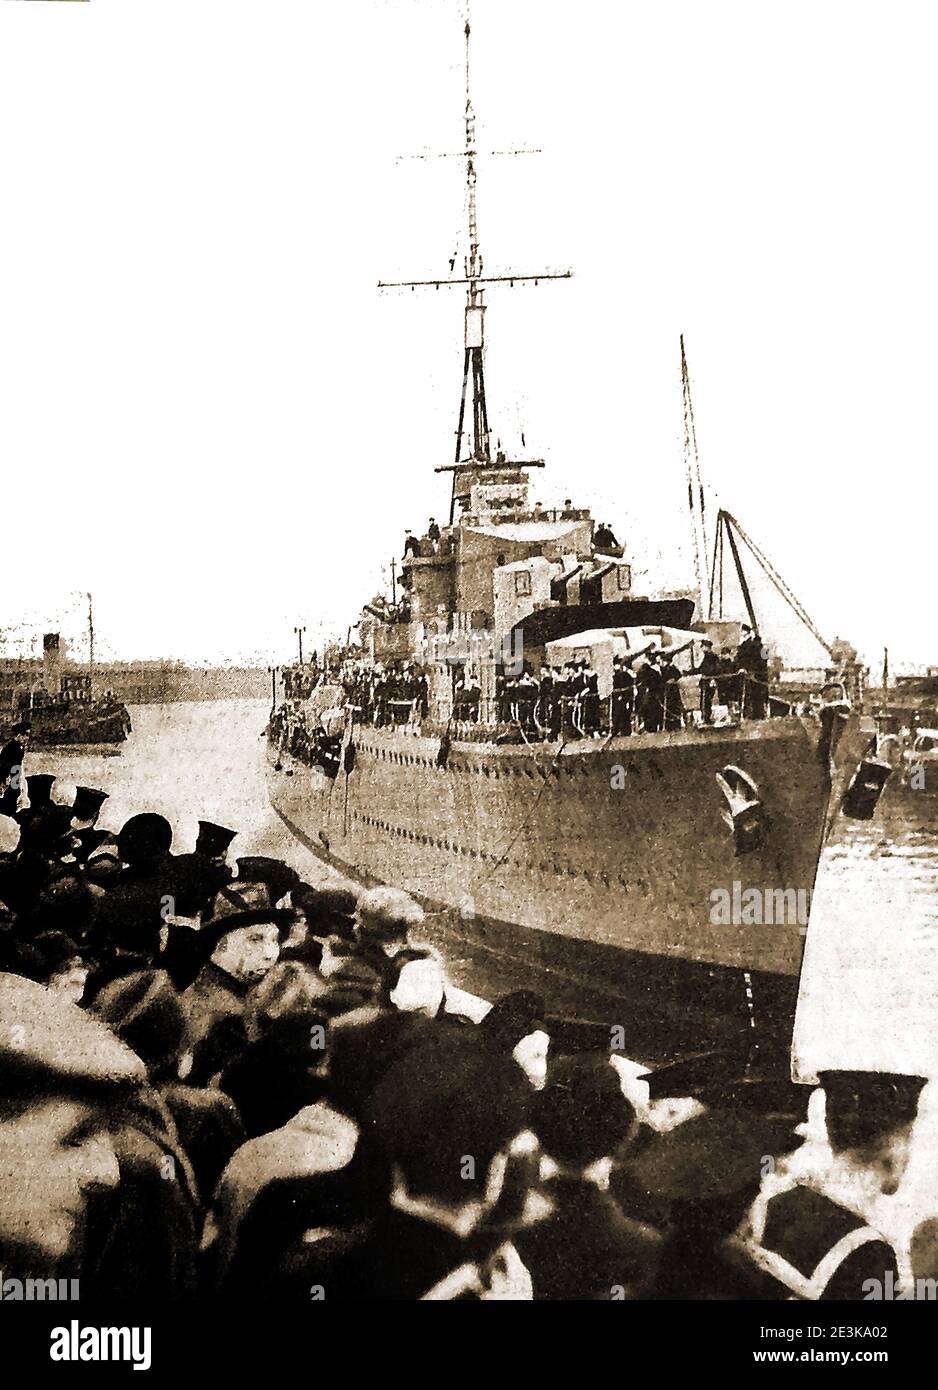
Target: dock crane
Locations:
point(729, 529)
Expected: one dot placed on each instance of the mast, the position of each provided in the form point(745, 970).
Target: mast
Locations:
point(474, 337)
point(474, 279)
point(90, 642)
point(696, 500)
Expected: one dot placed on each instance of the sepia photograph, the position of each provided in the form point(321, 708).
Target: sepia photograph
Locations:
point(468, 680)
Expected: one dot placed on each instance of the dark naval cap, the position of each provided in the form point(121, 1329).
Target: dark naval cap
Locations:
point(40, 788)
point(46, 827)
point(88, 802)
point(56, 1044)
point(213, 840)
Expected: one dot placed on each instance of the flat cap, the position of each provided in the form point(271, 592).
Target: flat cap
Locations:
point(279, 878)
point(45, 1035)
point(143, 837)
point(713, 1155)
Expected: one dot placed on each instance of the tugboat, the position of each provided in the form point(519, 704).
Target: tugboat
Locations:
point(481, 748)
point(62, 709)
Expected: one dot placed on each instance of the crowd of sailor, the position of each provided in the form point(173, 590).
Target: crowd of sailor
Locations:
point(435, 541)
point(383, 696)
point(562, 702)
point(646, 695)
point(218, 1078)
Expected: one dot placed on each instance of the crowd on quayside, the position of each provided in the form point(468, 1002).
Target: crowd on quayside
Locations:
point(219, 1079)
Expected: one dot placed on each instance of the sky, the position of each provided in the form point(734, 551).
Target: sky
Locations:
point(211, 418)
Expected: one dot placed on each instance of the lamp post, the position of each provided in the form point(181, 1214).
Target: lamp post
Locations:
point(299, 634)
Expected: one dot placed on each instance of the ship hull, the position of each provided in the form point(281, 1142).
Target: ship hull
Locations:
point(76, 731)
point(84, 750)
point(604, 876)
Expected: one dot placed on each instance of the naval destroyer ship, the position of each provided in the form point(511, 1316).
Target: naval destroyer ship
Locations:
point(576, 860)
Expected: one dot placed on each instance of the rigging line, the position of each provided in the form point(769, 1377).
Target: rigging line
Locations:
point(722, 529)
point(543, 729)
point(532, 808)
point(741, 575)
point(534, 747)
point(700, 487)
point(612, 733)
point(698, 567)
point(713, 567)
point(797, 607)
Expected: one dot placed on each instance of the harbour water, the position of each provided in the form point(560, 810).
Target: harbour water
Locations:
point(869, 994)
point(869, 986)
point(189, 761)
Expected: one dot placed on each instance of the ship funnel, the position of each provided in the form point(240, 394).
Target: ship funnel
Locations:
point(53, 654)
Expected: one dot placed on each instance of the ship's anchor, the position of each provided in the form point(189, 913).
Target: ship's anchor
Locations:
point(865, 788)
point(744, 811)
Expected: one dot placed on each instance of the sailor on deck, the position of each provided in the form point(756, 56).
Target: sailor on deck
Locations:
point(545, 698)
point(752, 661)
point(673, 704)
point(650, 693)
point(708, 670)
point(473, 694)
point(623, 697)
point(570, 688)
point(589, 699)
point(525, 695)
point(502, 697)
